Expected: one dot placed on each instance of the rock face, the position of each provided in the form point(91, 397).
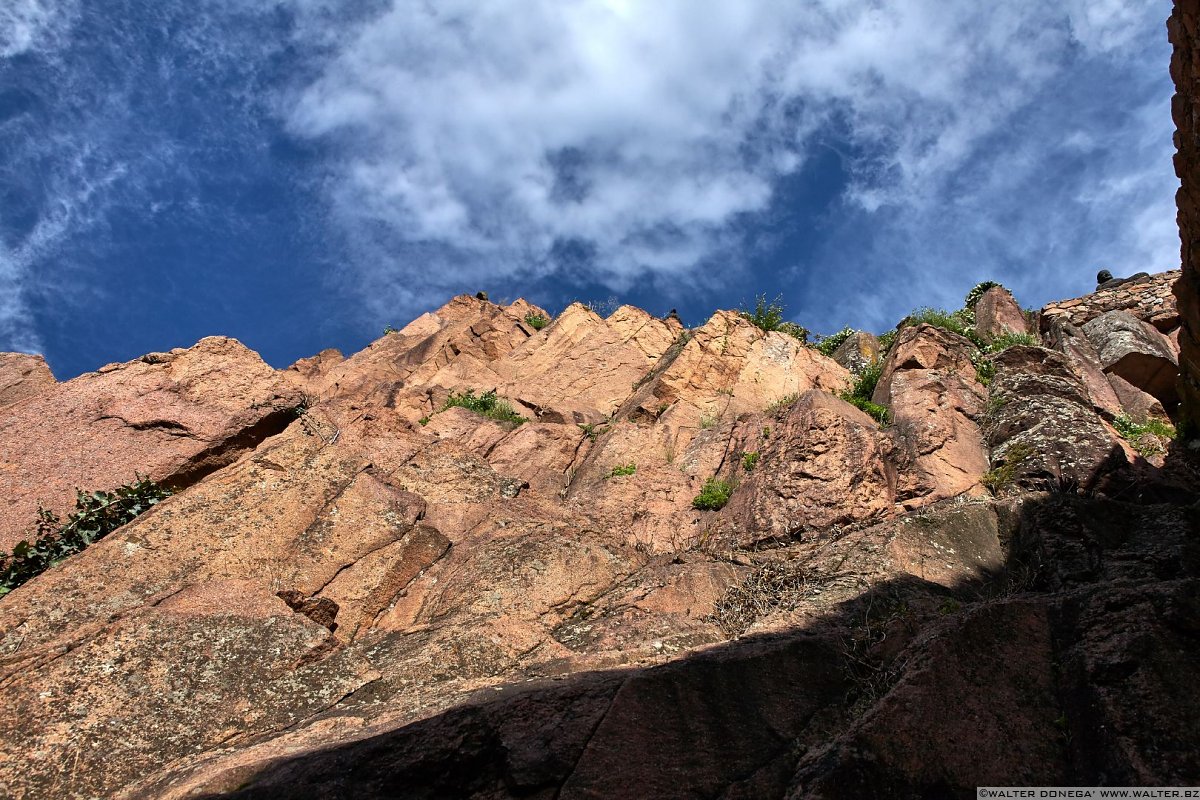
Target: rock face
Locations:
point(22, 376)
point(998, 313)
point(1185, 70)
point(359, 590)
point(171, 416)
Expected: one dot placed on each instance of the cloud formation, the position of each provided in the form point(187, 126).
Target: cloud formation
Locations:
point(641, 138)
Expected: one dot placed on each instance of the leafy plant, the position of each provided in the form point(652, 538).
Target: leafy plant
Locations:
point(423, 421)
point(621, 470)
point(536, 321)
point(828, 344)
point(96, 515)
point(977, 292)
point(592, 430)
point(714, 494)
point(749, 461)
point(879, 413)
point(985, 368)
point(769, 317)
point(390, 329)
point(860, 394)
point(486, 404)
point(1146, 437)
point(886, 340)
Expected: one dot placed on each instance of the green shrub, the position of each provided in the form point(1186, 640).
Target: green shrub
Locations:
point(96, 515)
point(390, 329)
point(707, 422)
point(976, 293)
point(1007, 340)
point(621, 470)
point(486, 404)
point(713, 495)
point(749, 460)
point(886, 340)
point(985, 368)
point(423, 421)
point(536, 321)
point(832, 342)
point(959, 322)
point(1146, 437)
point(769, 317)
point(877, 412)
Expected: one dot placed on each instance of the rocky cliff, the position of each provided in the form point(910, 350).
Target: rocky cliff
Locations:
point(1184, 31)
point(606, 557)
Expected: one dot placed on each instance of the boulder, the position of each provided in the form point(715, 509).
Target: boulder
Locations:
point(857, 352)
point(929, 384)
point(22, 376)
point(1136, 352)
point(1041, 428)
point(997, 313)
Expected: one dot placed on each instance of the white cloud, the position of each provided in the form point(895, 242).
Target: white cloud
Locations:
point(34, 24)
point(477, 139)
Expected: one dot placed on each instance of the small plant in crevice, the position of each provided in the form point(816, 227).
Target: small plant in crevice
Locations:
point(749, 461)
point(592, 431)
point(781, 405)
point(621, 470)
point(714, 494)
point(487, 404)
point(96, 514)
point(423, 421)
point(536, 321)
point(707, 422)
point(390, 329)
point(1146, 437)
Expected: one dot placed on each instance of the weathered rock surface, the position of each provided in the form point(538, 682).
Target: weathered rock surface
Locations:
point(1185, 110)
point(371, 596)
point(1136, 352)
point(929, 383)
point(997, 313)
point(172, 416)
point(859, 351)
point(1041, 427)
point(22, 376)
point(822, 467)
point(1085, 361)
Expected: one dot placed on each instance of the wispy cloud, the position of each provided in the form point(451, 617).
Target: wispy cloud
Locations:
point(490, 139)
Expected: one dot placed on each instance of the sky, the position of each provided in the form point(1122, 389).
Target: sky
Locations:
point(300, 174)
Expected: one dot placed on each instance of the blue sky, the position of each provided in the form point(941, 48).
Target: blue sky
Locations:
point(300, 173)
